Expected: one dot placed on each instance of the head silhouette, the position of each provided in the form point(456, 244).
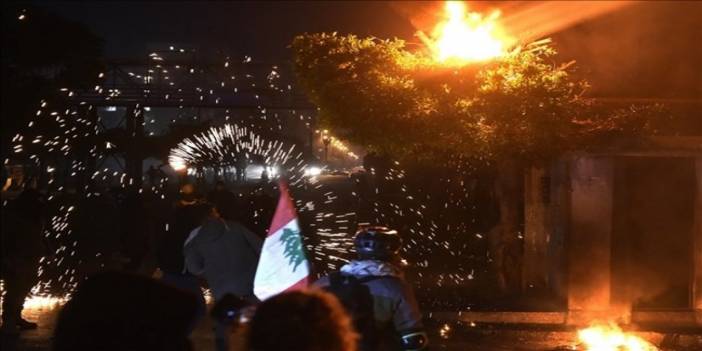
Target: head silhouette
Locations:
point(301, 320)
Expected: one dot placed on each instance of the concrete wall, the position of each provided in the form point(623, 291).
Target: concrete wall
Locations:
point(537, 225)
point(580, 210)
point(589, 240)
point(547, 208)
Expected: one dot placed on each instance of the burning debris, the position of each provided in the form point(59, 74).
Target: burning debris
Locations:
point(610, 337)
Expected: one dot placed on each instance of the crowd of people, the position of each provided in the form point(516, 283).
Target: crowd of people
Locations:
point(209, 243)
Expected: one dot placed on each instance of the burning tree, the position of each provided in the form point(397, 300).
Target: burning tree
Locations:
point(512, 109)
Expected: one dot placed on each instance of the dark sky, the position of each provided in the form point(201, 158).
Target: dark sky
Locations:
point(643, 50)
point(260, 29)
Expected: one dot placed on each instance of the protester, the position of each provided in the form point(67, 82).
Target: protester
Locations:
point(242, 161)
point(301, 321)
point(226, 254)
point(133, 230)
point(224, 200)
point(376, 295)
point(187, 194)
point(170, 256)
point(22, 247)
point(263, 206)
point(264, 175)
point(120, 311)
point(154, 176)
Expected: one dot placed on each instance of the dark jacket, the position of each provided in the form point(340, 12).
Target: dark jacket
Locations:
point(226, 254)
point(170, 248)
point(394, 305)
point(22, 230)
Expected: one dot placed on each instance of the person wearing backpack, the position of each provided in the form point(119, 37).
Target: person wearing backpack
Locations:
point(374, 292)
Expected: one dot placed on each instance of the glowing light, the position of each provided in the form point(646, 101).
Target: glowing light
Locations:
point(313, 171)
point(465, 36)
point(272, 171)
point(337, 144)
point(445, 331)
point(177, 163)
point(611, 338)
point(37, 302)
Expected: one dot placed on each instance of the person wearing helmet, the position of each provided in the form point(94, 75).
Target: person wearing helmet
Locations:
point(374, 292)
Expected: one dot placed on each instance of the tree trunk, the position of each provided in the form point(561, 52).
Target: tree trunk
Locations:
point(505, 242)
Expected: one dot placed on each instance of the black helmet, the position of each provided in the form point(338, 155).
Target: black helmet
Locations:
point(377, 243)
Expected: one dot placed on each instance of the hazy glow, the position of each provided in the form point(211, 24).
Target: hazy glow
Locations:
point(313, 171)
point(177, 163)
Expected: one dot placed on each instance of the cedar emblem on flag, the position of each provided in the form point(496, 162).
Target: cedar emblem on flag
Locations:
point(283, 265)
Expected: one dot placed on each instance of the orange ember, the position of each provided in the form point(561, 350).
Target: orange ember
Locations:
point(611, 338)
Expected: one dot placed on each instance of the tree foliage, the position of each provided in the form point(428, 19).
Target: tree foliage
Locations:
point(379, 94)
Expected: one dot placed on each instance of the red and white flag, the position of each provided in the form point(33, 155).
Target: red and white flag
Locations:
point(283, 265)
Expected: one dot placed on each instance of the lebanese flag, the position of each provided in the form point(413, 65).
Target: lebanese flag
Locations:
point(283, 265)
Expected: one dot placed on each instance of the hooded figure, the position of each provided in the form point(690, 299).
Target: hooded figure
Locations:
point(375, 293)
point(226, 254)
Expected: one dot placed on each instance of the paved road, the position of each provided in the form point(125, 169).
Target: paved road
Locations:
point(40, 339)
point(465, 337)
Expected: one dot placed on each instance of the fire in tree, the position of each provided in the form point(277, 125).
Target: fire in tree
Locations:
point(466, 36)
point(509, 107)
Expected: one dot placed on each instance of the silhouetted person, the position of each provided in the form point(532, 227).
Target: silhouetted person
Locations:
point(22, 247)
point(169, 253)
point(261, 209)
point(120, 311)
point(301, 320)
point(224, 200)
point(226, 254)
point(134, 237)
point(187, 194)
point(241, 163)
point(153, 174)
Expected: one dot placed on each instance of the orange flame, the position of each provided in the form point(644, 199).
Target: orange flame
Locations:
point(611, 338)
point(464, 36)
point(38, 302)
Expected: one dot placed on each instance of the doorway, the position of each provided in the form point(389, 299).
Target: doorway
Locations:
point(652, 232)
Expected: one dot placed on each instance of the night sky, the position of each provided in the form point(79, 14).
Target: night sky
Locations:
point(260, 29)
point(649, 49)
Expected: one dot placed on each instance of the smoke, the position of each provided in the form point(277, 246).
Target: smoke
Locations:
point(539, 19)
point(645, 50)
